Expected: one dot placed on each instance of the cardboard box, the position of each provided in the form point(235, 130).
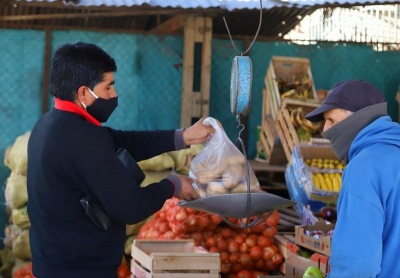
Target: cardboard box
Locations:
point(322, 245)
point(297, 265)
point(172, 259)
point(323, 151)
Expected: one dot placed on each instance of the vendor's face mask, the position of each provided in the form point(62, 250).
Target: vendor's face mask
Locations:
point(101, 109)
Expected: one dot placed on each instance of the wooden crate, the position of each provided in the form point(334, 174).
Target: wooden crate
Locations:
point(284, 126)
point(286, 68)
point(172, 259)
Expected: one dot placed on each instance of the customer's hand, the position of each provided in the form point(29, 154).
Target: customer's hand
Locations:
point(198, 133)
point(188, 193)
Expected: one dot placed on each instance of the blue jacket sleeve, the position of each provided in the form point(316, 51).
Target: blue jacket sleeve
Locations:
point(357, 239)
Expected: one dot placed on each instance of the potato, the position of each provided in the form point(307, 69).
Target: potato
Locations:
point(242, 188)
point(205, 177)
point(233, 175)
point(201, 192)
point(217, 188)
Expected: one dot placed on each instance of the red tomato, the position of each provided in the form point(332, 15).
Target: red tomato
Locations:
point(192, 220)
point(256, 253)
point(239, 239)
point(234, 258)
point(268, 252)
point(215, 219)
point(211, 242)
point(224, 257)
point(244, 248)
point(236, 267)
point(260, 264)
point(163, 227)
point(268, 231)
point(181, 216)
point(204, 221)
point(214, 250)
point(277, 259)
point(222, 245)
point(258, 229)
point(207, 235)
point(245, 259)
point(123, 271)
point(225, 268)
point(191, 211)
point(274, 218)
point(250, 241)
point(226, 233)
point(270, 265)
point(233, 247)
point(197, 235)
point(263, 241)
point(244, 274)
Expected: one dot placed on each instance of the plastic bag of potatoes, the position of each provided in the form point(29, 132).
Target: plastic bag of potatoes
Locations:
point(220, 167)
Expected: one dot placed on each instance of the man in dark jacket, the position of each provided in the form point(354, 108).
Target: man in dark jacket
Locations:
point(70, 156)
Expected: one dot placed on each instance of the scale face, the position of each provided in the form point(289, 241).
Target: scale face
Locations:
point(241, 85)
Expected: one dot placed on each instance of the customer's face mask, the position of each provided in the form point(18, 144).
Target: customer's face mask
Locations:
point(101, 109)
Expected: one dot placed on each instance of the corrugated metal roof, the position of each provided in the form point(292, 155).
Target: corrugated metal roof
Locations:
point(222, 4)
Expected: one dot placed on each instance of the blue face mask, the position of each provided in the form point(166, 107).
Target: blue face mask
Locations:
point(101, 109)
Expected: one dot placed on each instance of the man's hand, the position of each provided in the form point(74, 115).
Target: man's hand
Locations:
point(198, 133)
point(187, 193)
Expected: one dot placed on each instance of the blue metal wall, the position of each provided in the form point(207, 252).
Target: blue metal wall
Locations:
point(149, 77)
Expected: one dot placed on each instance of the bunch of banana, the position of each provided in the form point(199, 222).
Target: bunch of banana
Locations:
point(302, 87)
point(299, 121)
point(293, 93)
point(327, 181)
point(325, 163)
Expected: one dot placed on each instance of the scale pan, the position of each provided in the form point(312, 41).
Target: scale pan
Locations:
point(235, 205)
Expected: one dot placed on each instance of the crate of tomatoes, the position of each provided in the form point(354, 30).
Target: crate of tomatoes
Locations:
point(241, 251)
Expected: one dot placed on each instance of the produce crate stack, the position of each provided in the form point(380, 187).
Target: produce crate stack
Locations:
point(310, 246)
point(16, 195)
point(250, 250)
point(288, 80)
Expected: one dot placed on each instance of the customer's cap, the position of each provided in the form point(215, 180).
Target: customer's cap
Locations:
point(351, 95)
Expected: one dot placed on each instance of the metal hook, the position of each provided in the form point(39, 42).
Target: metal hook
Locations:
point(239, 125)
point(255, 37)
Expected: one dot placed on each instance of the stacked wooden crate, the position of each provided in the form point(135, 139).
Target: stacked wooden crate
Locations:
point(173, 259)
point(277, 128)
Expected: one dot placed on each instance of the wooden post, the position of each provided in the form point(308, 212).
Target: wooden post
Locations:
point(196, 104)
point(45, 90)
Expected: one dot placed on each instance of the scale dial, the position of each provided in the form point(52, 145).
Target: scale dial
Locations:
point(241, 83)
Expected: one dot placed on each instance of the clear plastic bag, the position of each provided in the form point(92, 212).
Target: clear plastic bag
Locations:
point(220, 167)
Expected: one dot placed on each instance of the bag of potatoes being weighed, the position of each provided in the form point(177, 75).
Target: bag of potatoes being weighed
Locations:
point(220, 167)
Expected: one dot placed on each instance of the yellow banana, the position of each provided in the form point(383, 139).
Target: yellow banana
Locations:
point(290, 94)
point(328, 182)
point(316, 182)
point(322, 181)
point(339, 178)
point(336, 184)
point(293, 118)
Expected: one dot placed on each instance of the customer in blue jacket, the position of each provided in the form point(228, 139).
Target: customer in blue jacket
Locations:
point(366, 240)
point(70, 156)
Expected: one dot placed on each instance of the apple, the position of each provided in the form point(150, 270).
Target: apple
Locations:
point(328, 214)
point(313, 272)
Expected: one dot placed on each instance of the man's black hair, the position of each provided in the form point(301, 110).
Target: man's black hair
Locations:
point(78, 64)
